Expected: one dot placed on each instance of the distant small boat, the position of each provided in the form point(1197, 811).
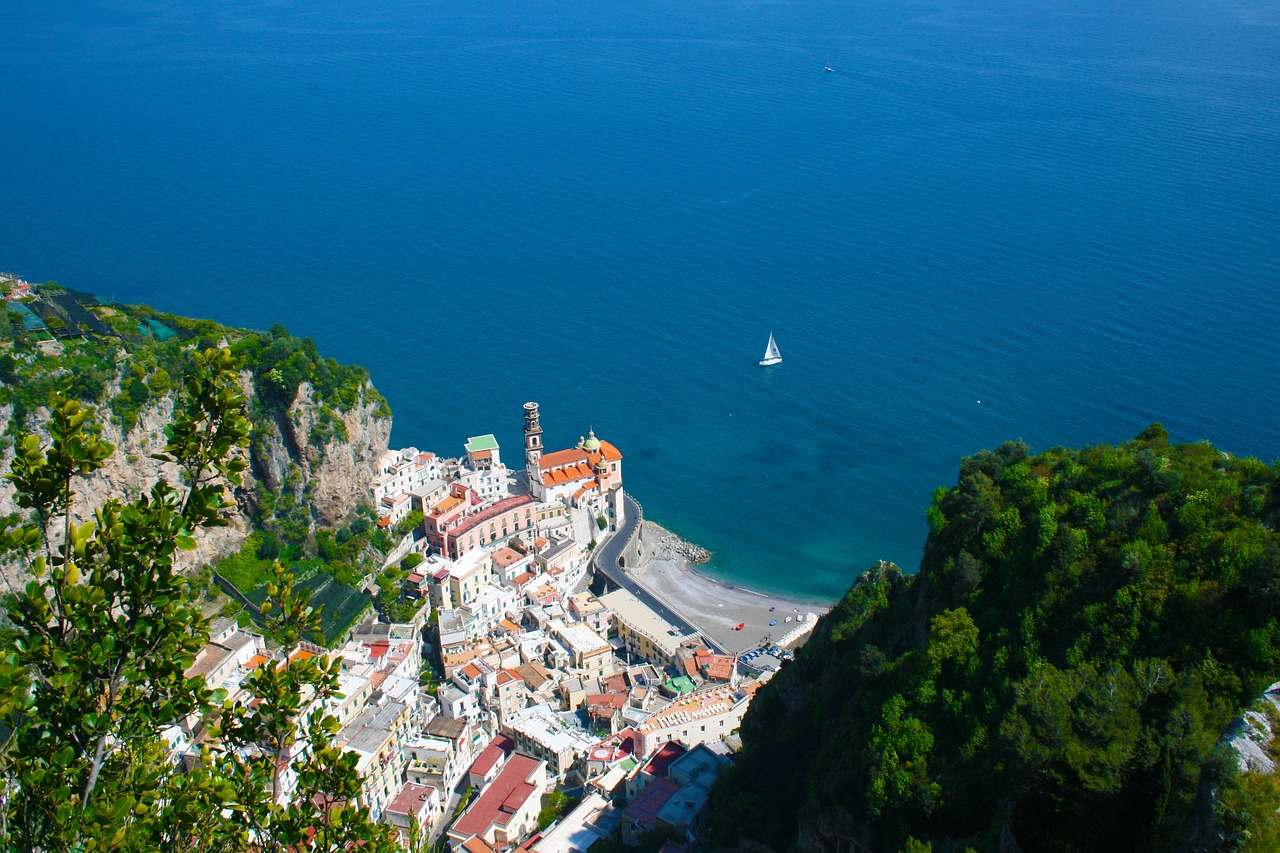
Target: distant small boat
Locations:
point(827, 68)
point(771, 354)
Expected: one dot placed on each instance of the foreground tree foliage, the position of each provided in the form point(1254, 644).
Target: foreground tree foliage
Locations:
point(1084, 626)
point(97, 646)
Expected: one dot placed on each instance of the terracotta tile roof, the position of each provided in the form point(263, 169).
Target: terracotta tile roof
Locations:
point(504, 557)
point(563, 457)
point(445, 505)
point(482, 454)
point(524, 578)
point(534, 674)
point(609, 452)
point(507, 676)
point(690, 666)
point(568, 474)
point(720, 668)
point(255, 662)
point(476, 844)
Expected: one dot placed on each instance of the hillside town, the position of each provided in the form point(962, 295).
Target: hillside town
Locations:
point(534, 702)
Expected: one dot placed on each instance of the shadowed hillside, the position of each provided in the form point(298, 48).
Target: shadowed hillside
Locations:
point(1084, 625)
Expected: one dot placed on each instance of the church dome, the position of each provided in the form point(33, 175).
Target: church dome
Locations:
point(592, 443)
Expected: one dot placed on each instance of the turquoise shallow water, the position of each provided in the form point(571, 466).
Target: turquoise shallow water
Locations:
point(1064, 210)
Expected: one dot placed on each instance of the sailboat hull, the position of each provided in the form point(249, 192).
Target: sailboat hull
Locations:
point(769, 361)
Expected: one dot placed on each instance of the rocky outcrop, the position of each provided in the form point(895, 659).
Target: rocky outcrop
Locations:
point(331, 477)
point(328, 458)
point(1251, 734)
point(1249, 741)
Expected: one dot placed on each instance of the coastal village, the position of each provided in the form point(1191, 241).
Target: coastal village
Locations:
point(541, 699)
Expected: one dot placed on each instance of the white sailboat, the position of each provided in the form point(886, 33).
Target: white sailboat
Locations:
point(771, 354)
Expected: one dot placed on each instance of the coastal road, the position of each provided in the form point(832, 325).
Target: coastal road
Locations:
point(605, 561)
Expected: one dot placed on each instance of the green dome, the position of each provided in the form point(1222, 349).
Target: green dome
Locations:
point(592, 443)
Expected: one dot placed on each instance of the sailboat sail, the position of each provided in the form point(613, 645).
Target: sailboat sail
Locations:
point(771, 354)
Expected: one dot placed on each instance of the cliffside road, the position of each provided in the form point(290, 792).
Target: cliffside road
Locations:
point(605, 561)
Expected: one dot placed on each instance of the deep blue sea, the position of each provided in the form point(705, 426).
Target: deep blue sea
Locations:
point(1057, 221)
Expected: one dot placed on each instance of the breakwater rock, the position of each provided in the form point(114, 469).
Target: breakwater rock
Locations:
point(672, 547)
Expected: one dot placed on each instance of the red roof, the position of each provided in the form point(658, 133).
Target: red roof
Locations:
point(615, 747)
point(657, 765)
point(412, 799)
point(645, 807)
point(500, 746)
point(502, 798)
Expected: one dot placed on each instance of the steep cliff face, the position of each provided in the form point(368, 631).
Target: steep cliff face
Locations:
point(331, 477)
point(327, 459)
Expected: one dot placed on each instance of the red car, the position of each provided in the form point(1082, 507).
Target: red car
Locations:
point(739, 626)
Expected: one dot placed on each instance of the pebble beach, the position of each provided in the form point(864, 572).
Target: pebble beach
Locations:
point(712, 606)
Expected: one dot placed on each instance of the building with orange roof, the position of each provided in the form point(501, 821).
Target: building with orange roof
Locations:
point(587, 475)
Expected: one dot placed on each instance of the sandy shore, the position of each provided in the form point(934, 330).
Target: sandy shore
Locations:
point(714, 607)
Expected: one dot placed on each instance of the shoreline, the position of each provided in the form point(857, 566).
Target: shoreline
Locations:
point(714, 606)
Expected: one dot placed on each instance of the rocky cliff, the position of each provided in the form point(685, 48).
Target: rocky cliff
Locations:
point(331, 477)
point(331, 469)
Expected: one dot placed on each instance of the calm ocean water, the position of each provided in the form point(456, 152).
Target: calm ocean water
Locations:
point(1052, 221)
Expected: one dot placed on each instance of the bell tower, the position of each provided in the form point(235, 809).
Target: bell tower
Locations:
point(532, 448)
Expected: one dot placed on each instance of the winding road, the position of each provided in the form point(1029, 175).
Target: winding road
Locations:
point(604, 560)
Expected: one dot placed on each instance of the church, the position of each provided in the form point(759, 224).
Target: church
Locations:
point(588, 475)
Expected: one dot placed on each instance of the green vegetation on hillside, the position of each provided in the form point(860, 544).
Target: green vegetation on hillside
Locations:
point(92, 674)
point(124, 359)
point(123, 356)
point(1084, 626)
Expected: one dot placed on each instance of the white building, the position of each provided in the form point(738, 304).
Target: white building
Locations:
point(539, 731)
